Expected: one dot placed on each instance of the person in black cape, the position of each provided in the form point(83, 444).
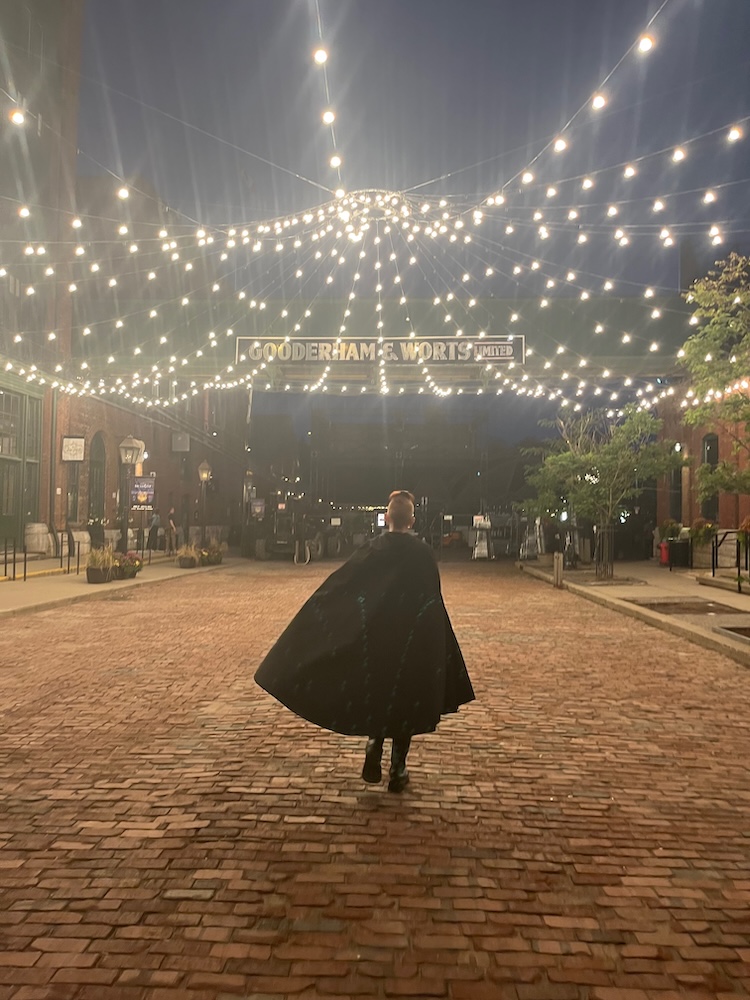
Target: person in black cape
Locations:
point(372, 652)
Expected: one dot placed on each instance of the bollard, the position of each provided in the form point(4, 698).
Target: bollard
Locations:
point(24, 564)
point(5, 572)
point(557, 571)
point(61, 550)
point(78, 558)
point(69, 555)
point(14, 559)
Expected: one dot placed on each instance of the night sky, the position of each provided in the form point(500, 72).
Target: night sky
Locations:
point(422, 88)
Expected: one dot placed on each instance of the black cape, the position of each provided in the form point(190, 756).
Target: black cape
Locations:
point(372, 652)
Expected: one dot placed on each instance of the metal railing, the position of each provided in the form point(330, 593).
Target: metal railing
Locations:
point(719, 539)
point(15, 558)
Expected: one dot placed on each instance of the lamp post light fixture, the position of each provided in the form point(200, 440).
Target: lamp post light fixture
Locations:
point(130, 451)
point(204, 474)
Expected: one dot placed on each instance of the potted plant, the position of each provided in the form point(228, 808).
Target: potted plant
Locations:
point(127, 565)
point(669, 529)
point(702, 532)
point(215, 555)
point(100, 565)
point(743, 533)
point(187, 557)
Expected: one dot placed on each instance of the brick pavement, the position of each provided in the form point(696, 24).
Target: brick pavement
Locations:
point(168, 831)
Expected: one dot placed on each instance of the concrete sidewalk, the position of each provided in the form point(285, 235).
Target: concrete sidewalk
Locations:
point(48, 586)
point(684, 602)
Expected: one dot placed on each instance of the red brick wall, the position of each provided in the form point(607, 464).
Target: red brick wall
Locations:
point(732, 509)
point(176, 473)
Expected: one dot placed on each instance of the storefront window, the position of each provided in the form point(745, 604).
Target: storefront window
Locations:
point(71, 506)
point(10, 423)
point(710, 456)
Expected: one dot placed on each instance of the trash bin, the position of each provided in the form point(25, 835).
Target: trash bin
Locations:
point(679, 552)
point(664, 553)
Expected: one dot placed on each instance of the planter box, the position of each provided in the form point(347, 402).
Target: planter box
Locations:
point(96, 575)
point(701, 556)
point(186, 562)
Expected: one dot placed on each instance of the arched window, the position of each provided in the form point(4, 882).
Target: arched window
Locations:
point(97, 470)
point(710, 456)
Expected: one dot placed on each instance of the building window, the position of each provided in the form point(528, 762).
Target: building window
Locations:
point(9, 472)
point(710, 457)
point(31, 493)
point(97, 468)
point(10, 423)
point(71, 506)
point(675, 495)
point(33, 428)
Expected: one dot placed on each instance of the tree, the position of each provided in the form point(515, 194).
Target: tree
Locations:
point(717, 356)
point(600, 465)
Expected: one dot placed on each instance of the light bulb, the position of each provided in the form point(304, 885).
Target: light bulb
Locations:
point(560, 145)
point(679, 154)
point(645, 43)
point(320, 56)
point(17, 116)
point(123, 193)
point(629, 171)
point(336, 162)
point(598, 102)
point(527, 177)
point(734, 133)
point(24, 212)
point(329, 117)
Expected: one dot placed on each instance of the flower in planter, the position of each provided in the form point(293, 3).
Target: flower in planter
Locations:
point(702, 531)
point(129, 563)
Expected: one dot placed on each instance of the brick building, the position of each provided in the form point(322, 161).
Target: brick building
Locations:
point(677, 495)
point(40, 195)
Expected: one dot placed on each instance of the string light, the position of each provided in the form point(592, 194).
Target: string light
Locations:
point(431, 227)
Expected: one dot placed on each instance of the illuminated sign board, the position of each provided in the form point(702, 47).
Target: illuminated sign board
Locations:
point(485, 350)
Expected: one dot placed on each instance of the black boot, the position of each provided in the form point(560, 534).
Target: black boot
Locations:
point(399, 776)
point(371, 772)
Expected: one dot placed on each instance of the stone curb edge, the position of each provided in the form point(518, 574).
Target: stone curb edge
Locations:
point(683, 629)
point(107, 591)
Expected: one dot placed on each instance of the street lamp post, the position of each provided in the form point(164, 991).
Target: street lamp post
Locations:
point(130, 450)
point(204, 474)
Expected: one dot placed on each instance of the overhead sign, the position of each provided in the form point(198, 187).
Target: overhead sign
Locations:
point(142, 491)
point(485, 350)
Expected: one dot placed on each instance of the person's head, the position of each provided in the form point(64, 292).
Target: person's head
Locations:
point(400, 513)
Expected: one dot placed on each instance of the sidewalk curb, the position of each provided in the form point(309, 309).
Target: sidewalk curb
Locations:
point(101, 593)
point(685, 630)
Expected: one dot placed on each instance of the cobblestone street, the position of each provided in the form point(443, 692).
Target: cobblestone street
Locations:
point(168, 831)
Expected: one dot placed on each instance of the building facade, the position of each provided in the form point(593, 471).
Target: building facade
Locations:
point(59, 453)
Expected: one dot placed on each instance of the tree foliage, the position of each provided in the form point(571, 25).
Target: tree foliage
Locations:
point(604, 464)
point(717, 357)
